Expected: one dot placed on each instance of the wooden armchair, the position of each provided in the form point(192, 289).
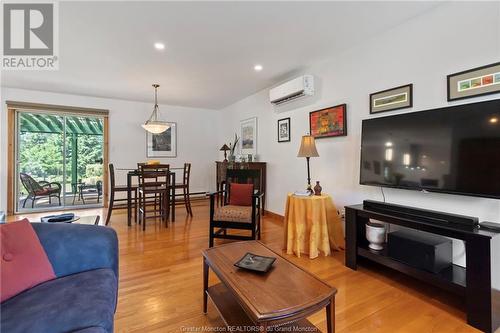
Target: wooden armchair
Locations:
point(242, 213)
point(42, 189)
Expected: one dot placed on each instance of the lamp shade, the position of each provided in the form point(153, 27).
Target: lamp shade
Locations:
point(307, 147)
point(153, 124)
point(156, 127)
point(224, 148)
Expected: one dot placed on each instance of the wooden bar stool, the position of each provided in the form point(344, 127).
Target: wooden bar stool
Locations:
point(185, 188)
point(118, 188)
point(154, 183)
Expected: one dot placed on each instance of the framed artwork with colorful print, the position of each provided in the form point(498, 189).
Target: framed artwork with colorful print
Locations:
point(474, 82)
point(328, 122)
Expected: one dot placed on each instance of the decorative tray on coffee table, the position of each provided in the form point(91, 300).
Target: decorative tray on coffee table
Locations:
point(254, 262)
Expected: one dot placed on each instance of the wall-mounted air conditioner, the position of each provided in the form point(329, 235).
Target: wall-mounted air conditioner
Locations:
point(292, 90)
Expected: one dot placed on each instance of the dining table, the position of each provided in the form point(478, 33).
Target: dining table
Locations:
point(131, 173)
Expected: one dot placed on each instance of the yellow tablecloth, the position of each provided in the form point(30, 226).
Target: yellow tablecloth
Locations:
point(312, 225)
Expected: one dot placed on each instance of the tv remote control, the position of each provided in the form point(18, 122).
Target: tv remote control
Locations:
point(490, 225)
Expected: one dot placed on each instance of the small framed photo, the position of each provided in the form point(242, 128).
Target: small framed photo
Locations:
point(163, 144)
point(248, 135)
point(474, 82)
point(284, 130)
point(328, 122)
point(392, 99)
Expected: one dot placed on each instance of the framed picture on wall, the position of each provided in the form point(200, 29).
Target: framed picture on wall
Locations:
point(328, 122)
point(284, 130)
point(474, 82)
point(163, 144)
point(248, 135)
point(392, 99)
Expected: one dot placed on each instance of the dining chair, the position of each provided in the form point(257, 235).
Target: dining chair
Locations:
point(118, 188)
point(185, 188)
point(154, 184)
point(240, 209)
point(153, 198)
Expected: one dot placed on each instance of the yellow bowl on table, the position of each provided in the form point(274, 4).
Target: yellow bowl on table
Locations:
point(153, 162)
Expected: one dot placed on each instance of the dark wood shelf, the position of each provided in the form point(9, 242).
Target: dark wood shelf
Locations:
point(473, 284)
point(451, 278)
point(233, 314)
point(450, 230)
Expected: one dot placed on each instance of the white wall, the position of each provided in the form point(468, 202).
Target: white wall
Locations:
point(422, 51)
point(196, 141)
point(451, 38)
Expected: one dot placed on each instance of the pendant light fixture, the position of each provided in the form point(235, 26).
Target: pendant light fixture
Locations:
point(153, 124)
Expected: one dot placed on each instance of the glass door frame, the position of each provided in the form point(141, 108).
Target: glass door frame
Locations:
point(16, 161)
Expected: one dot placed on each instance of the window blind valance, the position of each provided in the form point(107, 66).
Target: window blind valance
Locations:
point(56, 108)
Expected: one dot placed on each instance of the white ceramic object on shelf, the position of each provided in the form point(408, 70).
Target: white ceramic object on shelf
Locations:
point(375, 234)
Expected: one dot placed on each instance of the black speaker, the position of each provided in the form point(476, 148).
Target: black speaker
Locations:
point(420, 249)
point(446, 219)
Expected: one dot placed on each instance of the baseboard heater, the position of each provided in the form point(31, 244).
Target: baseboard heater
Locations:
point(201, 195)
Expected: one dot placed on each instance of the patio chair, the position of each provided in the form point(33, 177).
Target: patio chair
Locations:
point(82, 190)
point(42, 189)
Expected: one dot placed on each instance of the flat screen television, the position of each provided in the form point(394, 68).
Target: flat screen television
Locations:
point(453, 150)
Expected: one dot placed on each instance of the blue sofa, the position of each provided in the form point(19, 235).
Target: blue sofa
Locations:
point(83, 296)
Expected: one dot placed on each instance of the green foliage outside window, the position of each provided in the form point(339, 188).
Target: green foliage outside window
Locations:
point(41, 156)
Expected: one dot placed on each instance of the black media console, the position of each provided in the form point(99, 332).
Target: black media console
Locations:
point(478, 284)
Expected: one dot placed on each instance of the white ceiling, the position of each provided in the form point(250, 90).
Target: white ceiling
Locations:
point(106, 48)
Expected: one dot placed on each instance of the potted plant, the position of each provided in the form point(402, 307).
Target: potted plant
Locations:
point(232, 148)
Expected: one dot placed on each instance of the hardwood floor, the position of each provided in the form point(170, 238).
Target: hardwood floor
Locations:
point(161, 284)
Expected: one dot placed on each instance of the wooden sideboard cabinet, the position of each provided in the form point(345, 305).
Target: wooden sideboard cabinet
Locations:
point(221, 168)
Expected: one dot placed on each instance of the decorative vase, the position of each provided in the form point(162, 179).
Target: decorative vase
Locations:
point(232, 158)
point(375, 234)
point(317, 189)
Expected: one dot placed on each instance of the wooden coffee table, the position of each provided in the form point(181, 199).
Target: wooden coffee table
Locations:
point(285, 295)
point(90, 219)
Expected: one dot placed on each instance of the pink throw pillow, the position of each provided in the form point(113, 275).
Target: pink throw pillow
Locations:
point(24, 261)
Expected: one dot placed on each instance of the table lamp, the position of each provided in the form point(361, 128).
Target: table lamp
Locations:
point(308, 150)
point(225, 148)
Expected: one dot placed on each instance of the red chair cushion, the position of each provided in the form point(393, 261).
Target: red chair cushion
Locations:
point(42, 192)
point(241, 194)
point(47, 190)
point(24, 261)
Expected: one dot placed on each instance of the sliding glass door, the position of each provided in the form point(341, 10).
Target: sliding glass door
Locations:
point(59, 161)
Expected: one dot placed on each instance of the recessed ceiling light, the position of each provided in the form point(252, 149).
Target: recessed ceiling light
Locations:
point(159, 46)
point(493, 120)
point(258, 68)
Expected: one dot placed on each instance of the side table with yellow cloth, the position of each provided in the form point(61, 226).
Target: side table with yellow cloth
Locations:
point(312, 225)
